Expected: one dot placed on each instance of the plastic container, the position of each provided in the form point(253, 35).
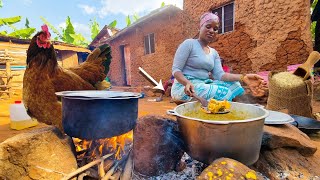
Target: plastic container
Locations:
point(19, 117)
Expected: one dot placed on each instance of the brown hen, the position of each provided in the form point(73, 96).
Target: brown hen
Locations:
point(43, 77)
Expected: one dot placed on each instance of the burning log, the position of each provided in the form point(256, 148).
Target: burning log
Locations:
point(158, 146)
point(80, 170)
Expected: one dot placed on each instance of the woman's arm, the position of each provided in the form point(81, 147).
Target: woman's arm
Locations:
point(189, 88)
point(232, 77)
point(179, 61)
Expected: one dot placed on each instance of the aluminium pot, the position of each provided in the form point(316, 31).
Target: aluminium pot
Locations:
point(207, 140)
point(98, 114)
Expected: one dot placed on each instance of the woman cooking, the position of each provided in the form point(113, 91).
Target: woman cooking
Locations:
point(194, 59)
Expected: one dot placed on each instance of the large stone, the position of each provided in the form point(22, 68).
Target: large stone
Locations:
point(157, 145)
point(287, 136)
point(288, 163)
point(225, 168)
point(40, 154)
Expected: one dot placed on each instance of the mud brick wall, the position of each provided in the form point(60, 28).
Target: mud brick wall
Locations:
point(168, 33)
point(268, 35)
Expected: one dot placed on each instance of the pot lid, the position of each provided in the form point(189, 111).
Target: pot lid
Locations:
point(276, 117)
point(94, 94)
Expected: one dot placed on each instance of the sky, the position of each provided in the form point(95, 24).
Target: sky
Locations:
point(80, 12)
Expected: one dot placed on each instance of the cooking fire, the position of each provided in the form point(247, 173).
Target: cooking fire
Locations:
point(111, 155)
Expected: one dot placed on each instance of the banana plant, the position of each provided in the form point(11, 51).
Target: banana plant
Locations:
point(67, 31)
point(10, 20)
point(128, 20)
point(113, 24)
point(95, 29)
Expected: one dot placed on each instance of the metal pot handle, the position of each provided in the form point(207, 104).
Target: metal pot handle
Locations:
point(172, 112)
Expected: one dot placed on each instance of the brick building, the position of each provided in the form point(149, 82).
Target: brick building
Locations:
point(149, 43)
point(257, 35)
point(254, 36)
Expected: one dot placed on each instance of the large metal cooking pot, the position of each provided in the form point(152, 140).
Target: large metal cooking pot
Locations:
point(207, 140)
point(98, 114)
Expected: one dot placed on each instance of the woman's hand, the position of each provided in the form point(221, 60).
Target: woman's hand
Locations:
point(256, 84)
point(189, 89)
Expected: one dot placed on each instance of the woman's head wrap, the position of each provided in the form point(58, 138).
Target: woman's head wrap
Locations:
point(208, 16)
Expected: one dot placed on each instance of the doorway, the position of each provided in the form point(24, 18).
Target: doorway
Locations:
point(126, 64)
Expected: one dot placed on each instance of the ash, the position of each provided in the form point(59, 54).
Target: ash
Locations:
point(191, 171)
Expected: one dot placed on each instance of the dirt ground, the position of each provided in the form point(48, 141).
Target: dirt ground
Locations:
point(147, 106)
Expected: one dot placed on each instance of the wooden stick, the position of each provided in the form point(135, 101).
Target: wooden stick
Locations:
point(108, 164)
point(127, 172)
point(110, 172)
point(117, 175)
point(69, 176)
point(102, 173)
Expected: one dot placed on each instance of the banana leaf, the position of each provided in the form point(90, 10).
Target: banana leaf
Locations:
point(94, 25)
point(68, 31)
point(10, 20)
point(113, 24)
point(3, 32)
point(23, 33)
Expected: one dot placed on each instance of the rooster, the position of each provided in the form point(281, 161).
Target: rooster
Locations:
point(43, 77)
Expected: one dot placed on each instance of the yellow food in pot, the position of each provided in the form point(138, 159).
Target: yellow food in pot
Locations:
point(215, 106)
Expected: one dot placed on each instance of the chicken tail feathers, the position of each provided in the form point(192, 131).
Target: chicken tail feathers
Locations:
point(106, 53)
point(103, 53)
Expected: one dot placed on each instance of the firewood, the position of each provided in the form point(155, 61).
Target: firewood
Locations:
point(102, 173)
point(126, 174)
point(110, 172)
point(108, 164)
point(82, 175)
point(93, 173)
point(116, 176)
point(69, 176)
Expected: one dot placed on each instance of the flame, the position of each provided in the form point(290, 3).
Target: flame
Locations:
point(100, 147)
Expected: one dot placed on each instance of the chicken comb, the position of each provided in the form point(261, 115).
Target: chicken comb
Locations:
point(45, 29)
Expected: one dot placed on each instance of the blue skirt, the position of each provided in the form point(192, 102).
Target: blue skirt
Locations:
point(208, 89)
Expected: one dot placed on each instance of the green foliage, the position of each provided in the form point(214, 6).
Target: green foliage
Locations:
point(313, 24)
point(128, 20)
point(10, 20)
point(27, 23)
point(313, 5)
point(1, 4)
point(135, 17)
point(23, 33)
point(52, 28)
point(313, 28)
point(79, 40)
point(95, 29)
point(69, 30)
point(3, 33)
point(113, 24)
point(162, 4)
